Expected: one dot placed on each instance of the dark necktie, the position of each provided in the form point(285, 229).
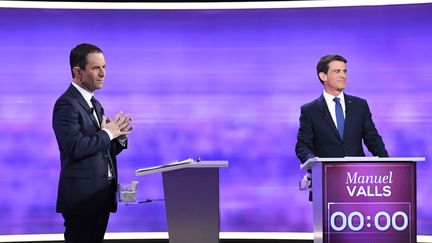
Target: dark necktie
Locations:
point(340, 120)
point(95, 105)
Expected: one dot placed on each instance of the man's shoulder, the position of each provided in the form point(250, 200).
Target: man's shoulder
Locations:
point(68, 96)
point(313, 103)
point(354, 99)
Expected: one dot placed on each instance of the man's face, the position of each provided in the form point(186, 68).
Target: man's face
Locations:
point(92, 77)
point(335, 79)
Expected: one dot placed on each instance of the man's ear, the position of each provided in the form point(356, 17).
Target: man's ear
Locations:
point(323, 76)
point(77, 71)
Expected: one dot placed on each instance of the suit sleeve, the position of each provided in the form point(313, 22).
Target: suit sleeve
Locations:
point(304, 146)
point(372, 139)
point(118, 147)
point(73, 141)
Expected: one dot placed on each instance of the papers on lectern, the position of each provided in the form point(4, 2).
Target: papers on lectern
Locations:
point(186, 161)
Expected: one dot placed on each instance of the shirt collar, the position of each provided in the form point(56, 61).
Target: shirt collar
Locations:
point(85, 93)
point(329, 97)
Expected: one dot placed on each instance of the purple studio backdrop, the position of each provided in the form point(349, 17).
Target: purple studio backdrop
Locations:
point(219, 84)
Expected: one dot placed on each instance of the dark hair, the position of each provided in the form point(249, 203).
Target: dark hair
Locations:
point(78, 55)
point(323, 64)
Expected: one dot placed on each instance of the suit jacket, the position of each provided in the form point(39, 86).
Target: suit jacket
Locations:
point(318, 134)
point(85, 152)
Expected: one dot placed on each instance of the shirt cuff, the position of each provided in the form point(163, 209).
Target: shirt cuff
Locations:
point(109, 133)
point(122, 142)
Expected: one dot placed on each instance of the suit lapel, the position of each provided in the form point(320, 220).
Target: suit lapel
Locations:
point(83, 103)
point(322, 105)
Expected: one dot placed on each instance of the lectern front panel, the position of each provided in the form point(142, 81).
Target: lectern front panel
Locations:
point(369, 202)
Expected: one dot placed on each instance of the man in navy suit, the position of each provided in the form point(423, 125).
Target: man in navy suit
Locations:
point(88, 144)
point(335, 124)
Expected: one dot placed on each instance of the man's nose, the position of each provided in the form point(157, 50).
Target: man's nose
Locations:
point(343, 75)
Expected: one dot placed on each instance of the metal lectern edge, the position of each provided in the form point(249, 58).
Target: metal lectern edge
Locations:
point(202, 164)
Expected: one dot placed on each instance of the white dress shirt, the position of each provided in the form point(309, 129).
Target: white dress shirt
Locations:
point(332, 104)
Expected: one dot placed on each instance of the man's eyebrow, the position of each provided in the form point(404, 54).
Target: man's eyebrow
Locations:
point(98, 66)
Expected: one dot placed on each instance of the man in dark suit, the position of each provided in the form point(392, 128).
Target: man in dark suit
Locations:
point(335, 124)
point(88, 144)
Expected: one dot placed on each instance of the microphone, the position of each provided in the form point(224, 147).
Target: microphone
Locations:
point(348, 110)
point(151, 200)
point(91, 111)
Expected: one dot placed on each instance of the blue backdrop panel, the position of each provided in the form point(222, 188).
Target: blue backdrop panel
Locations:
point(219, 84)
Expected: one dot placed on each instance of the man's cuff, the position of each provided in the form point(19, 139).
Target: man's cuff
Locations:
point(122, 142)
point(109, 133)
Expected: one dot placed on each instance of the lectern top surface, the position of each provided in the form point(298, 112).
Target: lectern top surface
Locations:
point(169, 167)
point(311, 162)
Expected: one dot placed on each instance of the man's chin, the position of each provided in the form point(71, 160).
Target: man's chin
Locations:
point(340, 89)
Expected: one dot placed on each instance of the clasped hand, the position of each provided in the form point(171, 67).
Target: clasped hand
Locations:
point(119, 126)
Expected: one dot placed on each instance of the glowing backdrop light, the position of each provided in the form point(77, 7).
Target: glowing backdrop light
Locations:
point(219, 84)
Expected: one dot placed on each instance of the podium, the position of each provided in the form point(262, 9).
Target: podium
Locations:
point(191, 200)
point(363, 199)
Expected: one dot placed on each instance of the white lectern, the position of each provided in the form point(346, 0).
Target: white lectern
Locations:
point(191, 200)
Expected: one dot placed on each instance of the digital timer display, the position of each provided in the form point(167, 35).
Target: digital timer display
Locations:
point(375, 219)
point(355, 221)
